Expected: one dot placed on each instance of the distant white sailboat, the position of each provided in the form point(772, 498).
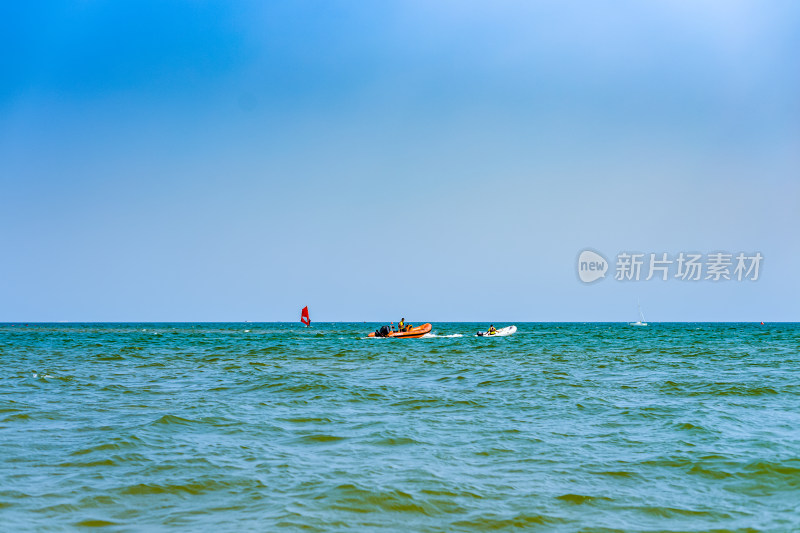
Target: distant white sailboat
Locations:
point(641, 321)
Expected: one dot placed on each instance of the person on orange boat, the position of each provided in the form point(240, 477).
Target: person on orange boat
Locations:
point(401, 325)
point(492, 330)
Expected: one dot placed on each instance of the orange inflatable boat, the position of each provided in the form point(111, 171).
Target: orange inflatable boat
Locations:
point(413, 333)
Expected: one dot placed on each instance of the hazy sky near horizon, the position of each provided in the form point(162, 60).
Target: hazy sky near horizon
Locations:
point(206, 160)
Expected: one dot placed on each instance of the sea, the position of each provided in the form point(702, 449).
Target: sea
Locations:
point(220, 427)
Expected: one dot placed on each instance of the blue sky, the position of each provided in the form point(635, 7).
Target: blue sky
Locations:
point(435, 160)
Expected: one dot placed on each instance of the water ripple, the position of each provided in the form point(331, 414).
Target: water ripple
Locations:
point(565, 427)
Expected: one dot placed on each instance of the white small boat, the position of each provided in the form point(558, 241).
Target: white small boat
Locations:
point(641, 321)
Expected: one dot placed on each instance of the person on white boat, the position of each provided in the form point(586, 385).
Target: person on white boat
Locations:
point(492, 330)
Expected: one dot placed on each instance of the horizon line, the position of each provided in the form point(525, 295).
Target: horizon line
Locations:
point(27, 322)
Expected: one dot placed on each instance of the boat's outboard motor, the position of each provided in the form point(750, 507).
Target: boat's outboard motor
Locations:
point(383, 331)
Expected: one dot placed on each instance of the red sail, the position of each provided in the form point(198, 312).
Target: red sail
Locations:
point(304, 317)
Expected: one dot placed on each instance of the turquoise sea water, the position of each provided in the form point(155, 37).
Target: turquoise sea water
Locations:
point(240, 427)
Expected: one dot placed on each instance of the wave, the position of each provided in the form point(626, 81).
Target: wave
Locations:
point(192, 487)
point(95, 522)
point(520, 521)
point(319, 438)
point(579, 499)
point(350, 497)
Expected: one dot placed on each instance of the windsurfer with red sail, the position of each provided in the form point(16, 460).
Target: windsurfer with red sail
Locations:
point(304, 318)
